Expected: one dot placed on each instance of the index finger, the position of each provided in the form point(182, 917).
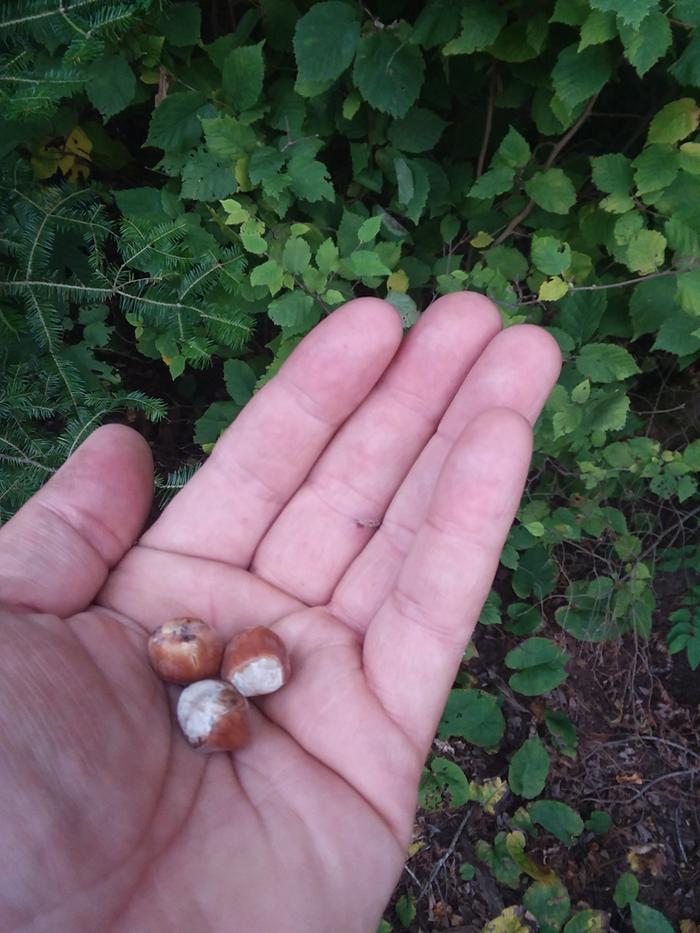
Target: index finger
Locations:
point(265, 455)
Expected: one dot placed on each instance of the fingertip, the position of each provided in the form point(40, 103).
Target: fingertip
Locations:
point(534, 342)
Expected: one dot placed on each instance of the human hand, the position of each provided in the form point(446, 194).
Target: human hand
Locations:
point(358, 505)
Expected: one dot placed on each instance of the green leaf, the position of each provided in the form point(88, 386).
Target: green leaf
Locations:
point(240, 381)
point(387, 73)
point(418, 131)
point(227, 137)
point(404, 181)
point(206, 178)
point(647, 43)
point(181, 23)
point(562, 730)
point(688, 293)
point(473, 715)
point(674, 122)
point(268, 273)
point(687, 69)
point(405, 910)
point(325, 40)
point(550, 255)
point(467, 871)
point(406, 306)
point(309, 179)
point(677, 334)
point(481, 24)
point(598, 28)
point(612, 173)
point(626, 890)
point(631, 12)
point(577, 76)
point(524, 619)
point(264, 163)
point(599, 822)
point(588, 921)
point(445, 782)
point(365, 264)
point(650, 305)
point(570, 12)
point(647, 920)
point(549, 903)
point(175, 125)
point(296, 255)
point(242, 78)
point(514, 150)
point(529, 766)
point(646, 252)
point(327, 257)
point(580, 314)
point(495, 181)
point(605, 362)
point(552, 190)
point(110, 84)
point(655, 168)
point(557, 818)
point(539, 663)
point(295, 312)
point(209, 427)
point(369, 228)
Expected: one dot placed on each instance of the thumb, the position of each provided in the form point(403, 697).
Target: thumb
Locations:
point(57, 551)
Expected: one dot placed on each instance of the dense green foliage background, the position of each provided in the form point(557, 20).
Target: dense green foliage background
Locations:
point(187, 189)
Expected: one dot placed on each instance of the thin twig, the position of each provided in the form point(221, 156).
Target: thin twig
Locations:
point(553, 155)
point(488, 125)
point(445, 856)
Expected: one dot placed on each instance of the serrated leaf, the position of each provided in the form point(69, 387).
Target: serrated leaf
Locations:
point(605, 362)
point(674, 122)
point(404, 181)
point(557, 818)
point(646, 252)
point(655, 168)
point(327, 257)
point(631, 12)
point(110, 84)
point(493, 182)
point(206, 178)
point(577, 76)
point(296, 255)
point(242, 76)
point(550, 255)
point(264, 163)
point(687, 69)
point(240, 381)
point(418, 131)
point(688, 293)
point(175, 125)
point(612, 173)
point(364, 264)
point(481, 23)
point(647, 43)
point(181, 24)
point(227, 137)
point(514, 150)
point(529, 766)
point(677, 334)
point(552, 190)
point(552, 289)
point(650, 305)
point(295, 311)
point(310, 179)
point(387, 73)
point(325, 40)
point(268, 273)
point(598, 28)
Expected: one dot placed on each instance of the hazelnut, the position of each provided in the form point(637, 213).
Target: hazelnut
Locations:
point(213, 716)
point(184, 650)
point(256, 662)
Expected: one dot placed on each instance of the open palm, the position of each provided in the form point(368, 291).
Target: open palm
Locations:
point(358, 505)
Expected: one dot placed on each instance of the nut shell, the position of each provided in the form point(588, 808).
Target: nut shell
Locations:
point(213, 716)
point(185, 650)
point(256, 662)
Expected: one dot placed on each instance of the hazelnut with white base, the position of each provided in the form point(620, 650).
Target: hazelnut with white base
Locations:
point(213, 716)
point(256, 662)
point(185, 650)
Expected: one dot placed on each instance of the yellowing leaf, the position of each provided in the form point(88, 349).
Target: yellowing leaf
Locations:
point(508, 921)
point(397, 281)
point(78, 143)
point(553, 289)
point(481, 240)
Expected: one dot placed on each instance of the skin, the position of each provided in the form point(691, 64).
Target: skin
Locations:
point(109, 820)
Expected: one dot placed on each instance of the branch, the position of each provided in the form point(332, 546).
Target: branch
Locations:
point(488, 126)
point(553, 155)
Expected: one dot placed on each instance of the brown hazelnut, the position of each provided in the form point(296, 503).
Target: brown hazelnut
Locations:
point(184, 650)
point(213, 716)
point(256, 662)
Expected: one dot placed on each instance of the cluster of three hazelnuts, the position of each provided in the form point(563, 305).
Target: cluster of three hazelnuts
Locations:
point(213, 710)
